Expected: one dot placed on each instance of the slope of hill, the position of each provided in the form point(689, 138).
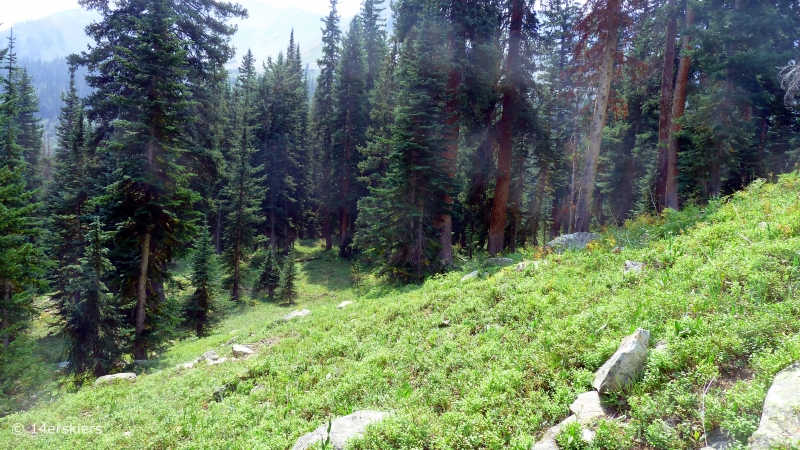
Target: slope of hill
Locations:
point(489, 362)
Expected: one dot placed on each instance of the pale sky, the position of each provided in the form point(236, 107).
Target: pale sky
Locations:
point(21, 10)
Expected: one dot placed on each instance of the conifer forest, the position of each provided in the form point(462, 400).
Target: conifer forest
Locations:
point(452, 129)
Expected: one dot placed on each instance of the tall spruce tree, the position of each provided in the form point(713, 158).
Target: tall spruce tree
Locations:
point(30, 131)
point(287, 286)
point(397, 218)
point(147, 55)
point(20, 256)
point(269, 275)
point(243, 193)
point(322, 110)
point(349, 123)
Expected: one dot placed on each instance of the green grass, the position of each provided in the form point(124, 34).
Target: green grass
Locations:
point(718, 289)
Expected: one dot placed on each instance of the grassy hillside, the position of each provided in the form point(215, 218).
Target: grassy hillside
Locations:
point(720, 289)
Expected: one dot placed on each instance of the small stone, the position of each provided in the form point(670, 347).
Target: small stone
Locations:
point(213, 362)
point(342, 429)
point(127, 434)
point(444, 323)
point(185, 366)
point(763, 225)
point(548, 441)
point(328, 376)
point(258, 387)
point(469, 276)
point(780, 417)
point(63, 364)
point(499, 261)
point(521, 266)
point(231, 341)
point(210, 355)
point(587, 435)
point(109, 379)
point(241, 350)
point(625, 365)
point(293, 314)
point(344, 304)
point(661, 346)
point(588, 407)
point(633, 266)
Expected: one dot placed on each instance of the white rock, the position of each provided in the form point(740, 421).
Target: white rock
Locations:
point(342, 429)
point(780, 418)
point(258, 387)
point(763, 225)
point(499, 261)
point(126, 434)
point(108, 379)
point(63, 364)
point(625, 365)
point(469, 276)
point(344, 304)
point(293, 314)
point(588, 407)
point(572, 241)
point(213, 362)
point(241, 350)
point(548, 441)
point(521, 266)
point(587, 435)
point(186, 366)
point(210, 355)
point(633, 266)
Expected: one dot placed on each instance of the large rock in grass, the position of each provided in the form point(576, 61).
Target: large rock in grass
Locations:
point(625, 365)
point(241, 350)
point(293, 314)
point(110, 379)
point(342, 429)
point(469, 276)
point(780, 418)
point(574, 241)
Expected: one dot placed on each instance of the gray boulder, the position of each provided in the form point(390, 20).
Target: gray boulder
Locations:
point(780, 418)
point(499, 261)
point(469, 276)
point(210, 355)
point(574, 241)
point(342, 429)
point(241, 350)
point(110, 379)
point(633, 266)
point(293, 314)
point(625, 365)
point(588, 407)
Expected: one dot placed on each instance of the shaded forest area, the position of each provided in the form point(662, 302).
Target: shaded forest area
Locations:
point(475, 126)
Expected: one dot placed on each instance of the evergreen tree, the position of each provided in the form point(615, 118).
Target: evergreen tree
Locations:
point(243, 194)
point(92, 323)
point(287, 286)
point(374, 38)
point(20, 256)
point(322, 111)
point(397, 218)
point(201, 311)
point(269, 275)
point(350, 124)
point(68, 202)
point(147, 56)
point(29, 131)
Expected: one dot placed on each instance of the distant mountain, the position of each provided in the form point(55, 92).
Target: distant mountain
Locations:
point(54, 36)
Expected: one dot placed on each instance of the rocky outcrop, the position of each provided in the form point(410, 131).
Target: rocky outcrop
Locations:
point(625, 365)
point(293, 314)
point(342, 429)
point(109, 379)
point(780, 418)
point(574, 241)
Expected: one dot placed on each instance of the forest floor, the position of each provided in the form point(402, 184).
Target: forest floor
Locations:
point(488, 363)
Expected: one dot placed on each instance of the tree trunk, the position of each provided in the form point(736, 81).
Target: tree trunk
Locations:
point(450, 155)
point(583, 215)
point(140, 348)
point(497, 224)
point(665, 106)
point(678, 107)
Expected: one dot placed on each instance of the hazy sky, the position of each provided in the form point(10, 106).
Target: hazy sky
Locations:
point(21, 10)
